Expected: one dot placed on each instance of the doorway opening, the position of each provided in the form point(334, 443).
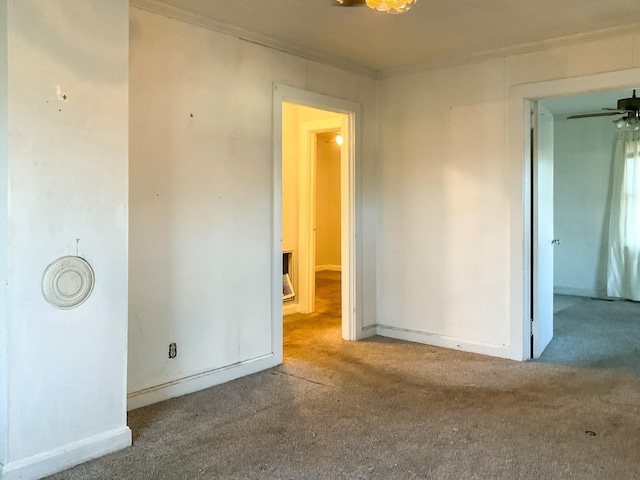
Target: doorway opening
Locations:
point(311, 219)
point(574, 321)
point(314, 212)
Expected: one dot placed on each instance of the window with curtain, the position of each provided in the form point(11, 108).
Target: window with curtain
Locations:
point(623, 272)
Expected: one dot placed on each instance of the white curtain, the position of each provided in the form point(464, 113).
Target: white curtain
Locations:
point(623, 272)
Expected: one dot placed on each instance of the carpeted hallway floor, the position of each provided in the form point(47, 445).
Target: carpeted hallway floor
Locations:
point(385, 409)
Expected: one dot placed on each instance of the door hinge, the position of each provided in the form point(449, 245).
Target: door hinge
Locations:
point(531, 327)
point(533, 118)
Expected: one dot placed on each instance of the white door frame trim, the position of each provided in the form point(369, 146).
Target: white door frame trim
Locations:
point(519, 125)
point(351, 280)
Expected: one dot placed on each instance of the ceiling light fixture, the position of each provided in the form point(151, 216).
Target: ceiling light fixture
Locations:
point(630, 122)
point(395, 7)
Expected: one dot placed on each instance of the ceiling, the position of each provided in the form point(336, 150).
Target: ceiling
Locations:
point(588, 103)
point(433, 32)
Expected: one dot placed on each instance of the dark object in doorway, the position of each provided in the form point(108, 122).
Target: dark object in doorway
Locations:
point(287, 288)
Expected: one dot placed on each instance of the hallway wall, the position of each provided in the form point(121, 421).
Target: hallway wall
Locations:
point(328, 203)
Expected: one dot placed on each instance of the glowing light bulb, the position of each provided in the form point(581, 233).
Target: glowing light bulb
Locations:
point(391, 6)
point(339, 139)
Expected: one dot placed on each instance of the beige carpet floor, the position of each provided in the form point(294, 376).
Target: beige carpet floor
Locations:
point(386, 409)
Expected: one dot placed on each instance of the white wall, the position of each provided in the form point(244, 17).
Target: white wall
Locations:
point(4, 171)
point(201, 201)
point(583, 153)
point(449, 189)
point(66, 195)
point(443, 212)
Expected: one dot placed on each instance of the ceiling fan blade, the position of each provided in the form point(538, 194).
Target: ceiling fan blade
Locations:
point(626, 106)
point(588, 115)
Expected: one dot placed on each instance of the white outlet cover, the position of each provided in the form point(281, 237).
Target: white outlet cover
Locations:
point(67, 282)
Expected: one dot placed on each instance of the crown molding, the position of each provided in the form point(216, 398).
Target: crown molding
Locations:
point(155, 6)
point(160, 8)
point(511, 50)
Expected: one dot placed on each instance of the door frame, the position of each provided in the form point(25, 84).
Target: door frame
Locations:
point(520, 182)
point(349, 173)
point(542, 244)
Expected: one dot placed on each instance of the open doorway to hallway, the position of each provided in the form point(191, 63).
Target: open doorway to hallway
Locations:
point(312, 218)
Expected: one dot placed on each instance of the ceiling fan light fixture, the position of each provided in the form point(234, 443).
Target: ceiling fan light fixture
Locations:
point(632, 125)
point(632, 122)
point(394, 7)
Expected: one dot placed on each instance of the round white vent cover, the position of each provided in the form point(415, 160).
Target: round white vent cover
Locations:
point(67, 282)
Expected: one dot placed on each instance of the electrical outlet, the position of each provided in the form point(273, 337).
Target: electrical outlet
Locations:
point(173, 350)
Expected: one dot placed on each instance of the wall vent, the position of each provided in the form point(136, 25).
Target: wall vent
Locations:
point(288, 292)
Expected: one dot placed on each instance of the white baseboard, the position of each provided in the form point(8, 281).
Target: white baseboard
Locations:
point(368, 332)
point(290, 308)
point(580, 292)
point(67, 456)
point(500, 351)
point(198, 382)
point(330, 268)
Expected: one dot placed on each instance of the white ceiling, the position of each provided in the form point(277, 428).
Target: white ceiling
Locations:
point(433, 32)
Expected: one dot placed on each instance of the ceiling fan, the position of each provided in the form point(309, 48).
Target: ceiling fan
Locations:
point(626, 106)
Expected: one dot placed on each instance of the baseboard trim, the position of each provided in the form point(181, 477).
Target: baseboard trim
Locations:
point(290, 308)
point(67, 456)
point(200, 381)
point(580, 292)
point(500, 351)
point(368, 332)
point(328, 268)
